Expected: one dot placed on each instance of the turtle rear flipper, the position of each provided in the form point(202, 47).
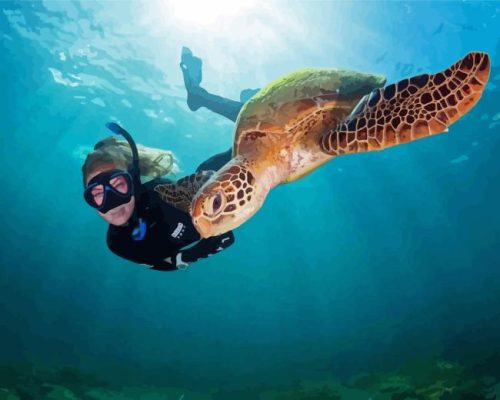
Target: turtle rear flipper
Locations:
point(411, 109)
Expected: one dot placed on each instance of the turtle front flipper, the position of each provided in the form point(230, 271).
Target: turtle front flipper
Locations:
point(181, 193)
point(411, 109)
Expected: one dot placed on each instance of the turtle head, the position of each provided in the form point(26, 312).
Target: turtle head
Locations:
point(227, 200)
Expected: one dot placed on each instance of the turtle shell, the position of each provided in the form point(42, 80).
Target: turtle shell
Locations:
point(272, 124)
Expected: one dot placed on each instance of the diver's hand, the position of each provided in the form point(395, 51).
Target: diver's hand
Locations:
point(179, 263)
point(215, 244)
point(176, 261)
point(207, 247)
point(223, 241)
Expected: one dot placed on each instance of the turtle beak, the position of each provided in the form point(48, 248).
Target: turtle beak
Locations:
point(203, 228)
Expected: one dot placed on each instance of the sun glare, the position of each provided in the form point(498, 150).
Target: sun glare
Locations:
point(202, 12)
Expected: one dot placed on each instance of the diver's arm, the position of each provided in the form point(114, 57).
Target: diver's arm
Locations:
point(202, 249)
point(171, 263)
point(123, 250)
point(178, 259)
point(207, 247)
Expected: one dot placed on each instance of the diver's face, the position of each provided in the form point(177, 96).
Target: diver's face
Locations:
point(118, 215)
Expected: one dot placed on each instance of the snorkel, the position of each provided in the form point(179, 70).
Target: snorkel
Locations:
point(139, 231)
point(133, 169)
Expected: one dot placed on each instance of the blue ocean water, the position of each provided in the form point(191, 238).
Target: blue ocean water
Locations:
point(374, 262)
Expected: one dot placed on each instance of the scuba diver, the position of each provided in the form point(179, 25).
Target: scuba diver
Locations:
point(143, 227)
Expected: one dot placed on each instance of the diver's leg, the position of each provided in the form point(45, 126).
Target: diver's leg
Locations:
point(199, 97)
point(247, 94)
point(214, 163)
point(220, 105)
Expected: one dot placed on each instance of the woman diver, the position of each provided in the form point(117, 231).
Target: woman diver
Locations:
point(143, 227)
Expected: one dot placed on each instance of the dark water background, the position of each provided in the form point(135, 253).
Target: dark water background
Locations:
point(372, 262)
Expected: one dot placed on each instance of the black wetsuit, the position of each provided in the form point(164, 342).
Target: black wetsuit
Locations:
point(168, 230)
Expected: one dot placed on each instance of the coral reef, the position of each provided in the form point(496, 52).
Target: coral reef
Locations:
point(434, 379)
point(30, 381)
point(324, 393)
point(428, 380)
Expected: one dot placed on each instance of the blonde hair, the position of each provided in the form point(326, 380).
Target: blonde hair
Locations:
point(152, 162)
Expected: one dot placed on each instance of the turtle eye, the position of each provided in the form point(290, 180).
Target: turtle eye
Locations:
point(213, 204)
point(217, 202)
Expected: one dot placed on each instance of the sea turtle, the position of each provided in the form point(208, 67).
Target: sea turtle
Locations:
point(300, 121)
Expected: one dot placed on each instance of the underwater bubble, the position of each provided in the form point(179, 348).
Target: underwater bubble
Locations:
point(86, 52)
point(58, 78)
point(126, 103)
point(150, 113)
point(95, 81)
point(460, 159)
point(224, 122)
point(81, 151)
point(98, 102)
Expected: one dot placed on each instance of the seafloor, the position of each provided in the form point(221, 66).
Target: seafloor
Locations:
point(432, 379)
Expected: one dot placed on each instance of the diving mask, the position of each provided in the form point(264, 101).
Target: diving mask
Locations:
point(109, 190)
